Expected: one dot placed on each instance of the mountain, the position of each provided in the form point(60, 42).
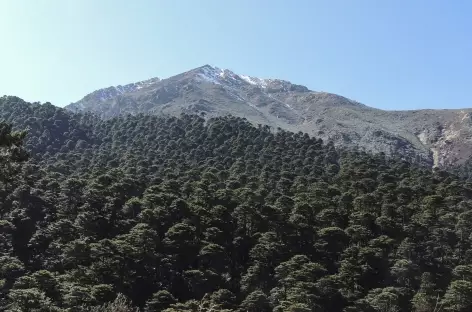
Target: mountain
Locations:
point(438, 137)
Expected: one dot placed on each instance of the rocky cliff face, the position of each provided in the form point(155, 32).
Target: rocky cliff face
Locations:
point(439, 137)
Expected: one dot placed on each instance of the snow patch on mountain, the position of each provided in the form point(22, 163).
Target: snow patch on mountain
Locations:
point(211, 74)
point(226, 77)
point(219, 76)
point(103, 95)
point(261, 83)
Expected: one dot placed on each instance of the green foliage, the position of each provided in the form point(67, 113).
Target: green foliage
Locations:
point(119, 304)
point(186, 214)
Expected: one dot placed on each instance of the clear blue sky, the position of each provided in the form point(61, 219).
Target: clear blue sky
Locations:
point(389, 54)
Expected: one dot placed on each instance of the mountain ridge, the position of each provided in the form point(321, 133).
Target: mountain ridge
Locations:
point(438, 137)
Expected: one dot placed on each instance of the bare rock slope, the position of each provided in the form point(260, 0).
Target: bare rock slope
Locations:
point(440, 137)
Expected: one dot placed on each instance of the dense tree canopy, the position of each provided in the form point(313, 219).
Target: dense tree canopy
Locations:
point(185, 214)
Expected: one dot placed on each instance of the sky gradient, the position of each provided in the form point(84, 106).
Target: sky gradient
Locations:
point(386, 54)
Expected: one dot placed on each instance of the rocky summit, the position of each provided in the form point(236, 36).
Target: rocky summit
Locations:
point(438, 137)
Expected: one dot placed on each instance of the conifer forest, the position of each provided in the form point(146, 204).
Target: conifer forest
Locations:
point(195, 214)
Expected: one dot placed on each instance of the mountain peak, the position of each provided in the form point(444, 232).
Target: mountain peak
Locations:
point(213, 91)
point(239, 87)
point(220, 76)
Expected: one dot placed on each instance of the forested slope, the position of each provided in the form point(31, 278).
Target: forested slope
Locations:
point(183, 214)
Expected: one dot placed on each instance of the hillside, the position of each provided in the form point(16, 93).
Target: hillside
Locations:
point(187, 214)
point(438, 137)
